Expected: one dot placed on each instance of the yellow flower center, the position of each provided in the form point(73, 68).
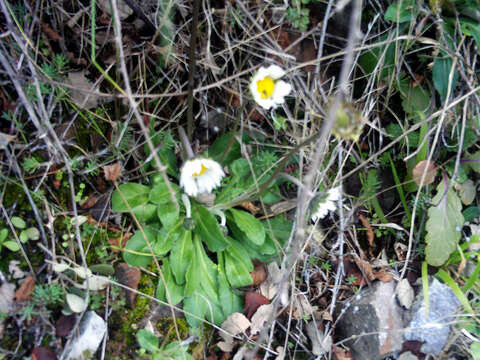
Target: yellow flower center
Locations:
point(265, 87)
point(202, 170)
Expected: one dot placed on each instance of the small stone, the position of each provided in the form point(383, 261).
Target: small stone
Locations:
point(433, 330)
point(92, 330)
point(372, 310)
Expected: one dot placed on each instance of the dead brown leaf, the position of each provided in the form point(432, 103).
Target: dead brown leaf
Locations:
point(250, 207)
point(259, 273)
point(52, 34)
point(113, 172)
point(25, 290)
point(420, 168)
point(383, 275)
point(341, 354)
point(370, 233)
point(64, 325)
point(128, 276)
point(119, 243)
point(41, 353)
point(253, 301)
point(90, 202)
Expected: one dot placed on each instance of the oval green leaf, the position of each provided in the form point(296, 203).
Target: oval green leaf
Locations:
point(249, 225)
point(208, 230)
point(133, 195)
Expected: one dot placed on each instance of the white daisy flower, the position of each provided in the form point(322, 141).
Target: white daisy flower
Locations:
point(200, 176)
point(267, 90)
point(327, 202)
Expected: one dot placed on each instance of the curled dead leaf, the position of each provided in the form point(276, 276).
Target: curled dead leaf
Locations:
point(90, 202)
point(234, 325)
point(128, 276)
point(370, 233)
point(253, 301)
point(259, 273)
point(263, 314)
point(113, 172)
point(426, 167)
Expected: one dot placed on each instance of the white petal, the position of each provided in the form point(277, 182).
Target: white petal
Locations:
point(281, 90)
point(330, 206)
point(275, 72)
point(265, 103)
point(334, 193)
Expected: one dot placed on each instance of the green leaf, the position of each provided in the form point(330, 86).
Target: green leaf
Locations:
point(136, 252)
point(147, 340)
point(159, 194)
point(215, 314)
point(208, 230)
point(167, 236)
point(471, 28)
point(202, 272)
point(278, 228)
point(237, 250)
point(11, 245)
point(134, 195)
point(471, 213)
point(380, 60)
point(249, 225)
point(18, 222)
point(196, 305)
point(144, 212)
point(23, 236)
point(168, 214)
point(473, 161)
point(240, 168)
point(175, 351)
point(403, 14)
point(181, 256)
point(33, 233)
point(414, 98)
point(217, 150)
point(3, 235)
point(475, 346)
point(165, 141)
point(236, 270)
point(443, 226)
point(442, 66)
point(175, 291)
point(229, 301)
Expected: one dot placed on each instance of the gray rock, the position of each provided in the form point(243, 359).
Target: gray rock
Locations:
point(375, 311)
point(433, 330)
point(92, 329)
